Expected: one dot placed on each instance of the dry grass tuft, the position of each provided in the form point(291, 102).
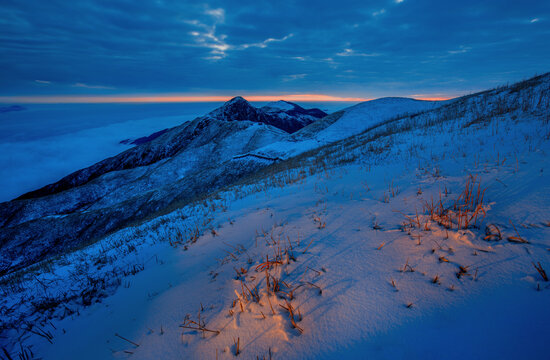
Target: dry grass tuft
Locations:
point(290, 310)
point(462, 270)
point(492, 232)
point(307, 247)
point(127, 340)
point(267, 264)
point(461, 214)
point(394, 285)
point(407, 267)
point(517, 239)
point(320, 223)
point(237, 346)
point(541, 271)
point(198, 325)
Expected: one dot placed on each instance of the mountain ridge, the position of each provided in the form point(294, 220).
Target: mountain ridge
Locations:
point(236, 109)
point(217, 153)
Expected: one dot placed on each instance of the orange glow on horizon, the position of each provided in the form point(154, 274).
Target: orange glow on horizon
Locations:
point(76, 99)
point(433, 98)
point(98, 99)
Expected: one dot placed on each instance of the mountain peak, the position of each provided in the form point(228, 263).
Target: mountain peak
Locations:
point(237, 104)
point(236, 100)
point(280, 114)
point(235, 109)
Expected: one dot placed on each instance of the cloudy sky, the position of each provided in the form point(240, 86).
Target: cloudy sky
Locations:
point(368, 49)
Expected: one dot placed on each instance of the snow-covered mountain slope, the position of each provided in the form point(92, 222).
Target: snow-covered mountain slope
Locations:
point(425, 236)
point(276, 106)
point(165, 144)
point(182, 163)
point(360, 117)
point(345, 123)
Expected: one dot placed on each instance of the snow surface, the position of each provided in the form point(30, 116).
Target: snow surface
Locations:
point(354, 120)
point(342, 225)
point(358, 313)
point(278, 106)
point(360, 117)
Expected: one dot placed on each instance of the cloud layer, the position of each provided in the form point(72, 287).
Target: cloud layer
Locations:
point(345, 48)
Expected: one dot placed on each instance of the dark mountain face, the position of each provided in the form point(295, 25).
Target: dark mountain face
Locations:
point(238, 109)
point(290, 117)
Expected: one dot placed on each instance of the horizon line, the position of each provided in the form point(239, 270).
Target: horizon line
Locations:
point(107, 99)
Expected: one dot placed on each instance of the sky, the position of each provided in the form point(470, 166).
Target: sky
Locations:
point(56, 50)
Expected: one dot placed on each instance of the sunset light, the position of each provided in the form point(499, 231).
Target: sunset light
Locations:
point(275, 180)
point(74, 99)
point(98, 99)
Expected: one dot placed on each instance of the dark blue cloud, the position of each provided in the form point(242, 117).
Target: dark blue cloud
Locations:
point(358, 48)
